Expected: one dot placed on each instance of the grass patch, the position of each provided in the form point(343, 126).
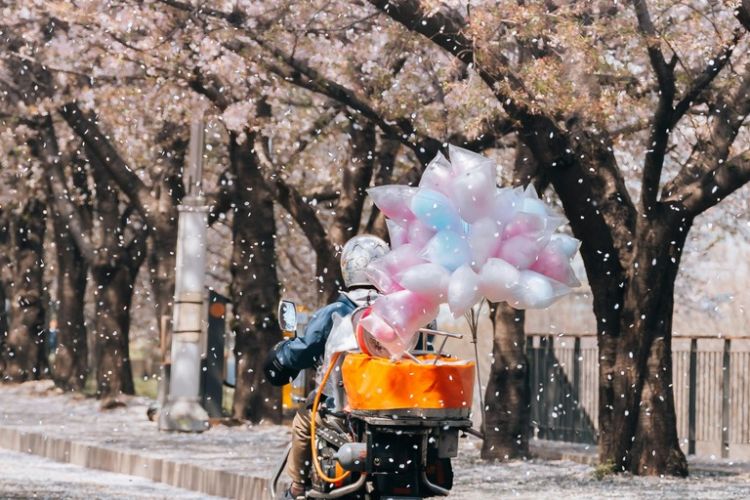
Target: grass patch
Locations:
point(603, 470)
point(147, 387)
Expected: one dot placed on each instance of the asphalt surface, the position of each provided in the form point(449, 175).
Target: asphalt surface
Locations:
point(29, 476)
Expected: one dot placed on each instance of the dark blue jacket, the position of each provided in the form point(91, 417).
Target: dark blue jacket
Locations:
point(304, 352)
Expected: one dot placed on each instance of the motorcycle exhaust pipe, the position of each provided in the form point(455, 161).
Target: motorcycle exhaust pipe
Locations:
point(352, 456)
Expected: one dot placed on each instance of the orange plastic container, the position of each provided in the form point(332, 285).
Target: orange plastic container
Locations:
point(381, 384)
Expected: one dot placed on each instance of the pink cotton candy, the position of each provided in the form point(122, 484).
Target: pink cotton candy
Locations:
point(378, 328)
point(552, 263)
point(521, 251)
point(474, 192)
point(484, 241)
point(523, 224)
point(405, 312)
point(383, 271)
point(382, 277)
point(418, 234)
point(438, 176)
point(393, 201)
point(397, 234)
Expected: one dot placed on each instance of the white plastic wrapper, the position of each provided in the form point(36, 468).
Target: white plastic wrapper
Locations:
point(458, 238)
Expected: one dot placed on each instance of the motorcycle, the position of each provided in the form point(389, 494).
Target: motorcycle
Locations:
point(375, 449)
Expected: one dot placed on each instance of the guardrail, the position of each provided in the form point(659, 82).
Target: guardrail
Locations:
point(711, 377)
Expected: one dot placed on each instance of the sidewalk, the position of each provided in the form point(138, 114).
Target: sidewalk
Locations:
point(237, 462)
point(226, 461)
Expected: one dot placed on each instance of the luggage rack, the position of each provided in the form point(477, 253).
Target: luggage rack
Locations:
point(423, 417)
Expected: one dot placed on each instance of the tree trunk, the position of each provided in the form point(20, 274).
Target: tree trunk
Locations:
point(114, 268)
point(355, 180)
point(6, 278)
point(24, 351)
point(255, 287)
point(71, 354)
point(169, 193)
point(387, 153)
point(643, 421)
point(507, 398)
point(113, 295)
point(3, 329)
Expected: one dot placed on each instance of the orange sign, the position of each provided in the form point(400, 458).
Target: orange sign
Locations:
point(217, 310)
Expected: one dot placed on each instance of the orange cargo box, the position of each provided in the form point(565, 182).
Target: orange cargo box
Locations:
point(381, 384)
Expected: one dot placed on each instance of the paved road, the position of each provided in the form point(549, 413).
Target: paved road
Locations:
point(29, 476)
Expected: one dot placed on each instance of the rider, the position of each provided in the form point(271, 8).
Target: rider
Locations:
point(291, 356)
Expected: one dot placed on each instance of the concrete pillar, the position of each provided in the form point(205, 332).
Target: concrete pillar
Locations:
point(183, 411)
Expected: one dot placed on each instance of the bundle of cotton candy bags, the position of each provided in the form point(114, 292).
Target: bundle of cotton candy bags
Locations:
point(458, 238)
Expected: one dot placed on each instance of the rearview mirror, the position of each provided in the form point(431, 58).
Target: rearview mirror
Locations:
point(287, 316)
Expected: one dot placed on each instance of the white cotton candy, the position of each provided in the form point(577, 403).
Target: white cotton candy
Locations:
point(474, 192)
point(484, 240)
point(535, 291)
point(463, 160)
point(507, 203)
point(427, 279)
point(497, 279)
point(463, 290)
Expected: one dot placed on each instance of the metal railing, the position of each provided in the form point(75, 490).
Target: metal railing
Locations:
point(711, 383)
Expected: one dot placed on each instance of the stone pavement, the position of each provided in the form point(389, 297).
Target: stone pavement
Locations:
point(237, 462)
point(29, 476)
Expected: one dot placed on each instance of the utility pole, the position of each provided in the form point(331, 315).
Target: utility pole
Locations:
point(183, 411)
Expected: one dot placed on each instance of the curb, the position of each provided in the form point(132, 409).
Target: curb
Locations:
point(181, 475)
point(539, 450)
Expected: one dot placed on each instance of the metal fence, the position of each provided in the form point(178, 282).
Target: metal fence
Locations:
point(711, 378)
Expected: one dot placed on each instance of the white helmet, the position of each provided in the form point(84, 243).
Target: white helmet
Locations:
point(357, 253)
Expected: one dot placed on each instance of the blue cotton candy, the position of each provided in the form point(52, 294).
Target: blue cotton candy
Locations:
point(449, 249)
point(435, 210)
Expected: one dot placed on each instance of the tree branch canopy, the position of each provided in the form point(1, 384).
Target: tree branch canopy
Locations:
point(711, 159)
point(88, 130)
point(47, 150)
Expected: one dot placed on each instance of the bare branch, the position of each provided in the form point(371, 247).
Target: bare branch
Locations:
point(663, 117)
point(695, 180)
point(706, 192)
point(743, 14)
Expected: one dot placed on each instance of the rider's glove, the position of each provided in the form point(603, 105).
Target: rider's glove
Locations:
point(275, 371)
